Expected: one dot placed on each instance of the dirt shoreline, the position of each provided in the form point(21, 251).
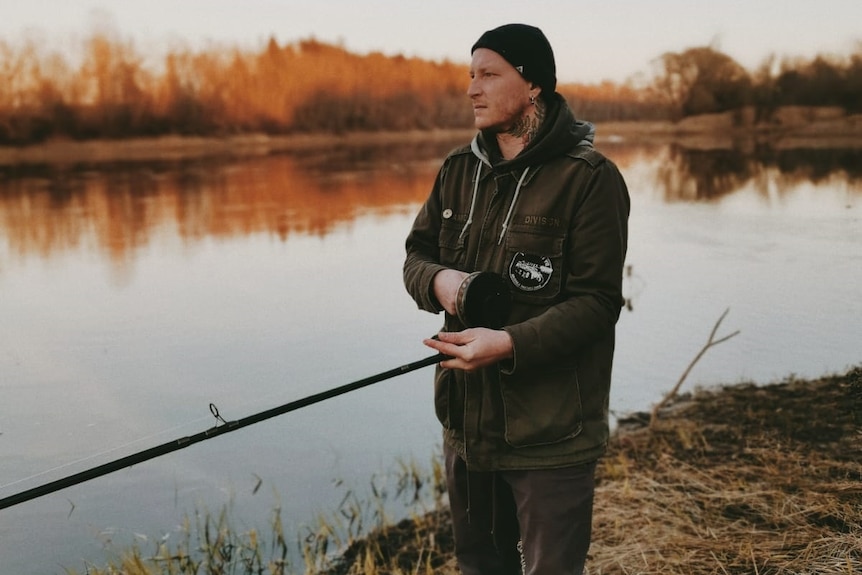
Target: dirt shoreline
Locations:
point(187, 147)
point(743, 479)
point(794, 128)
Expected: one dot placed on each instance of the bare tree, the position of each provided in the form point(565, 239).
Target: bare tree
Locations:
point(701, 80)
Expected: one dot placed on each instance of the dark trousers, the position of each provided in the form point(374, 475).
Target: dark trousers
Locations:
point(535, 522)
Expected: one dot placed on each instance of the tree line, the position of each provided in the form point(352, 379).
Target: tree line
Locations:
point(312, 86)
point(704, 80)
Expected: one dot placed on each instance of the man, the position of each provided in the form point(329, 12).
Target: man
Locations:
point(524, 408)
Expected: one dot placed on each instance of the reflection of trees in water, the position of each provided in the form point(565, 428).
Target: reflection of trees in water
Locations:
point(120, 208)
point(691, 175)
point(696, 175)
point(817, 165)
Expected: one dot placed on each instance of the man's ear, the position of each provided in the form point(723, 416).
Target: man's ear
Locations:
point(535, 92)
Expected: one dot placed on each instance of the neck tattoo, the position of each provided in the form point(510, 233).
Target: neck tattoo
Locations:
point(528, 126)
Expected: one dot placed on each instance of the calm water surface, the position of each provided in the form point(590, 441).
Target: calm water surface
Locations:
point(133, 296)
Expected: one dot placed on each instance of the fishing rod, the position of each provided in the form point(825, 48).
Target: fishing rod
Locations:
point(220, 428)
point(483, 299)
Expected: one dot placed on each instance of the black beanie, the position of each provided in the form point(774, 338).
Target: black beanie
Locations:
point(527, 49)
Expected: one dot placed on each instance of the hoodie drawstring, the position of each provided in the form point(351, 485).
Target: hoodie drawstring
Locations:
point(505, 225)
point(512, 206)
point(472, 202)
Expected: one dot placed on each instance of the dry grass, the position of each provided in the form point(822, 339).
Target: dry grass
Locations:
point(763, 480)
point(747, 479)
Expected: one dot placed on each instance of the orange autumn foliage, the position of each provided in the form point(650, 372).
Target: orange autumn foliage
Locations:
point(112, 93)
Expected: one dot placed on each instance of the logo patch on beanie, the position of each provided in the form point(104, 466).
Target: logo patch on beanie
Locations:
point(530, 272)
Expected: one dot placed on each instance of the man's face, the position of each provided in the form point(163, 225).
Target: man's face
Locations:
point(500, 95)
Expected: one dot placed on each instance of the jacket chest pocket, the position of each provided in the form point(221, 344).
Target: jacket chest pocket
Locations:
point(452, 247)
point(534, 265)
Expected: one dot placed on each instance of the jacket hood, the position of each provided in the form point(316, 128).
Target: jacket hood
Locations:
point(560, 133)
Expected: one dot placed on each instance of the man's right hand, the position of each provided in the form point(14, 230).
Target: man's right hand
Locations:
point(446, 284)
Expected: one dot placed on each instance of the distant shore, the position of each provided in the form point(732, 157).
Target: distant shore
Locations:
point(790, 128)
point(190, 147)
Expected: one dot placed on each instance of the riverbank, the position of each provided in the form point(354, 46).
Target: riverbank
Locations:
point(173, 148)
point(741, 479)
point(791, 127)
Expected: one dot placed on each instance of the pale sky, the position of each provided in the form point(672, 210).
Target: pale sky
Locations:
point(606, 39)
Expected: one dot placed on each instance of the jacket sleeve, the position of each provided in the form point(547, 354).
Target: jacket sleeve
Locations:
point(592, 287)
point(423, 251)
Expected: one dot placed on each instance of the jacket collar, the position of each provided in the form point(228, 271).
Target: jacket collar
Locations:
point(560, 132)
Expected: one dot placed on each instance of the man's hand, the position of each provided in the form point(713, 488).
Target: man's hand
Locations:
point(446, 284)
point(472, 348)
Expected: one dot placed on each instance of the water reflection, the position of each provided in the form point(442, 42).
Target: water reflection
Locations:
point(686, 174)
point(118, 208)
point(633, 285)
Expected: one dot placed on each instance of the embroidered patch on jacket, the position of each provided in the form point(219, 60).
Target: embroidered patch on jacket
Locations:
point(530, 272)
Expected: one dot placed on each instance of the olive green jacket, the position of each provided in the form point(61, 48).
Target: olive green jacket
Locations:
point(553, 223)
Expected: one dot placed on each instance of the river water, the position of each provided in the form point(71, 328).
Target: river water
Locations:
point(133, 296)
